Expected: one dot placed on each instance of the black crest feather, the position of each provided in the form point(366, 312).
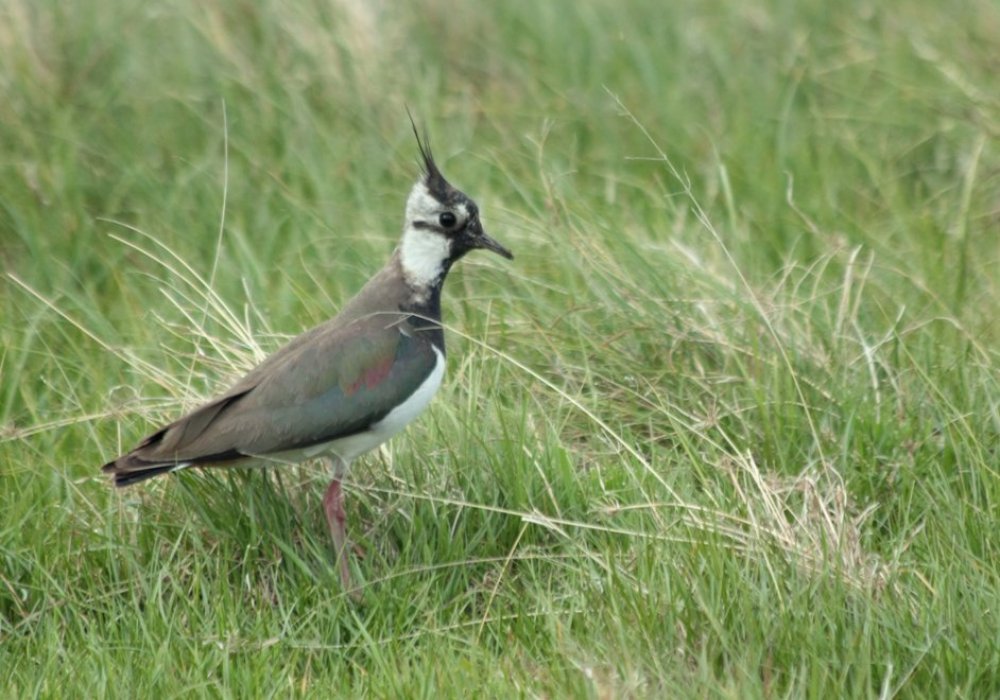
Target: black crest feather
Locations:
point(432, 176)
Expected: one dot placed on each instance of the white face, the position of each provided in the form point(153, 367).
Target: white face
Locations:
point(422, 254)
point(421, 205)
point(424, 249)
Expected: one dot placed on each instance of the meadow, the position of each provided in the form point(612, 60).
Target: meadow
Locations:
point(728, 426)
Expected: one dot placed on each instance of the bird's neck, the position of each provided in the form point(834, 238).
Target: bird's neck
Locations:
point(424, 267)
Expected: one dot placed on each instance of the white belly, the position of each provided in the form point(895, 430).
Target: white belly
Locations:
point(348, 448)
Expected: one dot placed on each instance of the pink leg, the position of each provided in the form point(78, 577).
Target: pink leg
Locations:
point(333, 505)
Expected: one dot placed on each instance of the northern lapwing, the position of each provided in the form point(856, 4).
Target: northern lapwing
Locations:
point(348, 385)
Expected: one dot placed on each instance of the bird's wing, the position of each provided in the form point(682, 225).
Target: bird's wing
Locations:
point(338, 382)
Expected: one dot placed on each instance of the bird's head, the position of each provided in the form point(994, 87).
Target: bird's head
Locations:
point(442, 225)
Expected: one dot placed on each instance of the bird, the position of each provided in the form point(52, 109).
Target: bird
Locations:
point(343, 388)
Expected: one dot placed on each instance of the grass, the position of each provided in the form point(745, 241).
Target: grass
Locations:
point(728, 426)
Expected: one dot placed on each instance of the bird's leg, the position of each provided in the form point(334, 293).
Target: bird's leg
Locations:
point(333, 505)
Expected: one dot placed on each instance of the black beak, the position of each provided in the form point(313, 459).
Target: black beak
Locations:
point(488, 243)
point(478, 238)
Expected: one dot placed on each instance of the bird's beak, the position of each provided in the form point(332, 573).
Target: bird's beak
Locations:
point(484, 241)
point(480, 239)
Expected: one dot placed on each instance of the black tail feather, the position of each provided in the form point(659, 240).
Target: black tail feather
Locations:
point(134, 471)
point(128, 478)
point(130, 469)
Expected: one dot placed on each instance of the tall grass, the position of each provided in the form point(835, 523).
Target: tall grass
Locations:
point(727, 426)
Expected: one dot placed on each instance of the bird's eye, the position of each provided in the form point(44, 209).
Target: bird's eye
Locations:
point(447, 219)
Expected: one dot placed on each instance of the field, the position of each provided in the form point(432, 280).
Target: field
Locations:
point(728, 425)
